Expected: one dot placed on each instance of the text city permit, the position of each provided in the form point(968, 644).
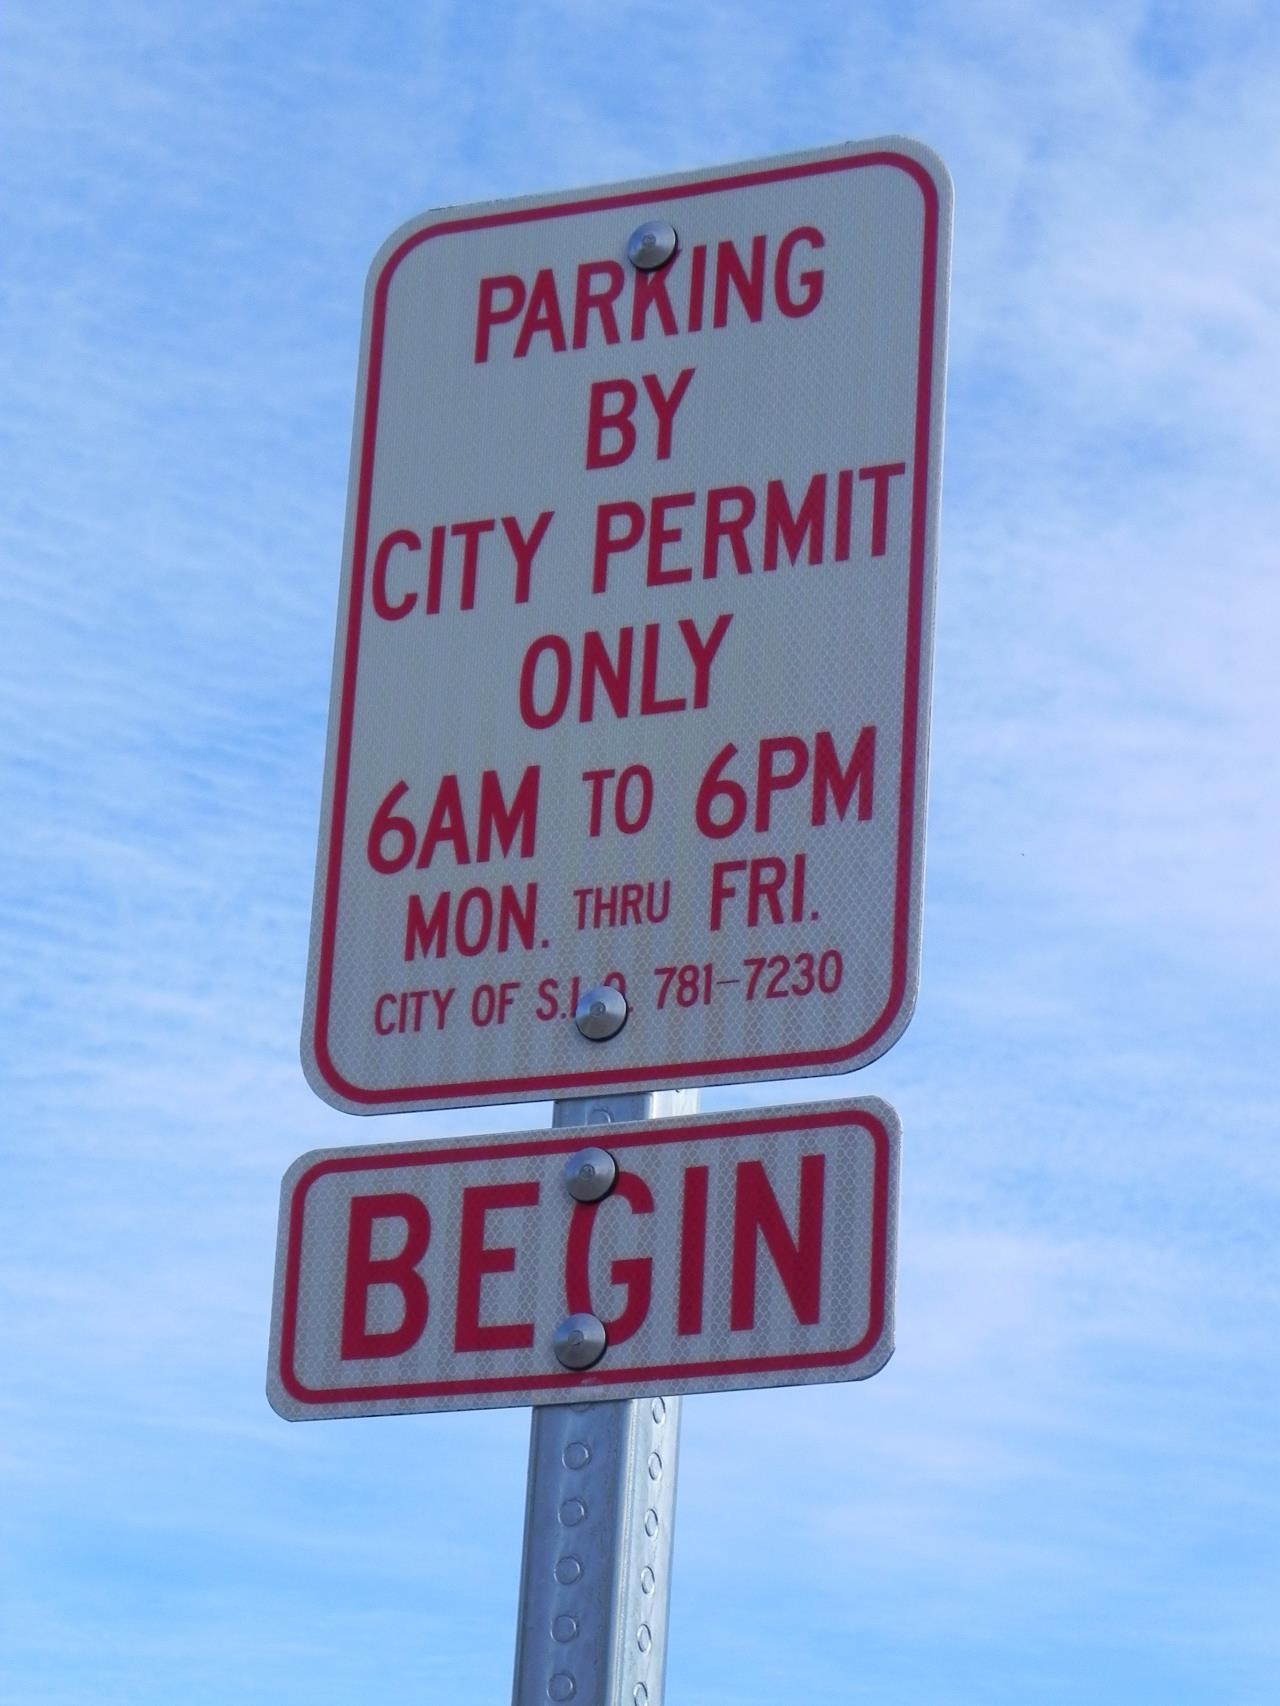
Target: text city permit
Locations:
point(632, 672)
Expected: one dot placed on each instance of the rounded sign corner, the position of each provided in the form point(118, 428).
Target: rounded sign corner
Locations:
point(280, 1400)
point(886, 1115)
point(328, 1083)
point(922, 155)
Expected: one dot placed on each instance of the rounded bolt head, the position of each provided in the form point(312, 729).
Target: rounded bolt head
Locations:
point(579, 1341)
point(601, 1013)
point(652, 245)
point(589, 1175)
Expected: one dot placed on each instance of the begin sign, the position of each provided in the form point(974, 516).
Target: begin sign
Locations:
point(633, 660)
point(721, 1251)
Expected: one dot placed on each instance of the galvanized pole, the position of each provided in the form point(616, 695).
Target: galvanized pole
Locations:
point(595, 1581)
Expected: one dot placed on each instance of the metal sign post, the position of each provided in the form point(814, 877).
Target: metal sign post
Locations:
point(595, 1580)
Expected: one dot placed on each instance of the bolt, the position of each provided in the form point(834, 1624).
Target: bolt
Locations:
point(652, 245)
point(601, 1013)
point(589, 1175)
point(579, 1341)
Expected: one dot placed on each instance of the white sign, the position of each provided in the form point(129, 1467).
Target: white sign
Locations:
point(633, 659)
point(732, 1250)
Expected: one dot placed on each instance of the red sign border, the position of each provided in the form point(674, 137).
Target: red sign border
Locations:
point(718, 1070)
point(639, 1137)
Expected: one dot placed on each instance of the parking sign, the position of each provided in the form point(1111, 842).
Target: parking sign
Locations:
point(632, 673)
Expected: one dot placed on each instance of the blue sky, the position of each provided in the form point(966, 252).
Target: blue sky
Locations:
point(1063, 1488)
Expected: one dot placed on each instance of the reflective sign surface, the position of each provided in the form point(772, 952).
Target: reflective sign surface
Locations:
point(633, 661)
point(730, 1251)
